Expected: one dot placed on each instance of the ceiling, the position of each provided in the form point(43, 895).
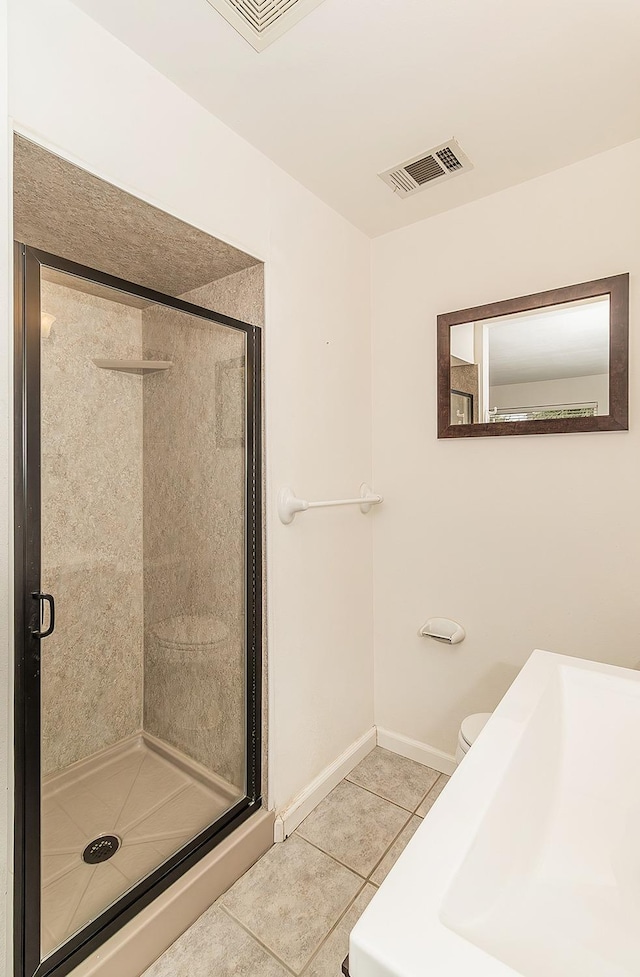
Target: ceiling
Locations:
point(358, 86)
point(564, 341)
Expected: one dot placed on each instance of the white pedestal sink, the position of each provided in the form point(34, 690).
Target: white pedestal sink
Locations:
point(529, 861)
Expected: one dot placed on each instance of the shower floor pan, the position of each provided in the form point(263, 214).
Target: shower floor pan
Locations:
point(145, 799)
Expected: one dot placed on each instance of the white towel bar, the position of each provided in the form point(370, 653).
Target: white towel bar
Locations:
point(289, 504)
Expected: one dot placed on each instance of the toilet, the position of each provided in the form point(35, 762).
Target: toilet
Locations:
point(470, 729)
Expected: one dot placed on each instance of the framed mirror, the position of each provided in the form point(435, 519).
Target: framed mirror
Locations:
point(551, 363)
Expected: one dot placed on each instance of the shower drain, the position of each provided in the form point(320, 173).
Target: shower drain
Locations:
point(100, 849)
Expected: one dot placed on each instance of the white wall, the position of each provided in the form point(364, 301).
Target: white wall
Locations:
point(527, 541)
point(6, 593)
point(79, 91)
point(569, 390)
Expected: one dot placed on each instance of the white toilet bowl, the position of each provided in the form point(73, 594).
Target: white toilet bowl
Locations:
point(470, 729)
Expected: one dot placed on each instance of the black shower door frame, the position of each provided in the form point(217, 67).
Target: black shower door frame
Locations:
point(27, 610)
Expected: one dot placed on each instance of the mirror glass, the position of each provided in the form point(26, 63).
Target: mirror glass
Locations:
point(539, 365)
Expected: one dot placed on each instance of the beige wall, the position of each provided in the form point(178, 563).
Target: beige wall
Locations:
point(527, 541)
point(91, 526)
point(6, 556)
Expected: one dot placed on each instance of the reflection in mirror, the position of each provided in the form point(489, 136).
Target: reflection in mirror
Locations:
point(536, 362)
point(550, 363)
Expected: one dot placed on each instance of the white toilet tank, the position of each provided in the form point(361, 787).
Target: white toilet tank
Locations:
point(470, 729)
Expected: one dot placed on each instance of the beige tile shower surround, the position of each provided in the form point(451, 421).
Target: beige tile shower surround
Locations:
point(92, 665)
point(293, 911)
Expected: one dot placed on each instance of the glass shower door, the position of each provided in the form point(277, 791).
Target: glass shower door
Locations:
point(144, 537)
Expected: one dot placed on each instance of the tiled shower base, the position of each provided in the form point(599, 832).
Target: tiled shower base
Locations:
point(151, 796)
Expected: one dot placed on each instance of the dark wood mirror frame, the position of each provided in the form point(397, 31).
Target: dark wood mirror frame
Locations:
point(617, 287)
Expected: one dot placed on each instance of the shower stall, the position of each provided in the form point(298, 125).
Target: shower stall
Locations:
point(138, 597)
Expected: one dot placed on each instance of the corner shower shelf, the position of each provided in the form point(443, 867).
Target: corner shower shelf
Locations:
point(141, 367)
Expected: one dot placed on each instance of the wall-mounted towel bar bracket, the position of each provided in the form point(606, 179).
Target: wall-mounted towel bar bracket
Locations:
point(289, 504)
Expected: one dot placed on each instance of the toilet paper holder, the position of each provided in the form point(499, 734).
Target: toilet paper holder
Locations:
point(443, 629)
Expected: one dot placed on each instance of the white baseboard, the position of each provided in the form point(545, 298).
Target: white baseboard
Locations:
point(303, 804)
point(415, 750)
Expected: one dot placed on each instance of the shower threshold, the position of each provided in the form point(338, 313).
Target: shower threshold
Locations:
point(128, 808)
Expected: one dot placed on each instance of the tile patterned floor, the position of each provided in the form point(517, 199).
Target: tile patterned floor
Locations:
point(144, 798)
point(293, 911)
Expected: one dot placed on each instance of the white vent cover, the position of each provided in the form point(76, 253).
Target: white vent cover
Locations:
point(262, 21)
point(434, 166)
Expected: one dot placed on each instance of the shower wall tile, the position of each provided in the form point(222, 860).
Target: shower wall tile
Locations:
point(91, 527)
point(194, 513)
point(240, 295)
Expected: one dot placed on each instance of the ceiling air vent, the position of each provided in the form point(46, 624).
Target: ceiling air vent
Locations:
point(436, 166)
point(262, 21)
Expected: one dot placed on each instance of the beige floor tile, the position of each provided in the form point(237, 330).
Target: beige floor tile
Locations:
point(216, 946)
point(433, 795)
point(402, 781)
point(354, 826)
point(328, 961)
point(395, 851)
point(291, 899)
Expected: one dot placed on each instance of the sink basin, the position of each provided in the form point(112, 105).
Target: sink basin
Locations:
point(529, 861)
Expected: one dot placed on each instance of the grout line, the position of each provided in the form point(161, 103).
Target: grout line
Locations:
point(375, 794)
point(364, 882)
point(405, 825)
point(433, 786)
point(366, 878)
point(333, 857)
point(333, 928)
point(256, 938)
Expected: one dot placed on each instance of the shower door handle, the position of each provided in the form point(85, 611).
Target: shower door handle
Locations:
point(52, 614)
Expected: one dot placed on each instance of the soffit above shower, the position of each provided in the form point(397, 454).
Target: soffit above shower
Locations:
point(261, 22)
point(65, 210)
